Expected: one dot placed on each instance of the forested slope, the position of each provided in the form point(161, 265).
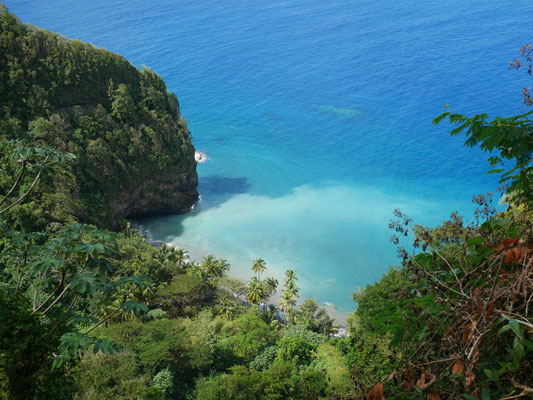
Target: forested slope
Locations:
point(133, 152)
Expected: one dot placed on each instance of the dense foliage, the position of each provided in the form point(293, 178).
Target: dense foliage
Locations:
point(121, 123)
point(86, 313)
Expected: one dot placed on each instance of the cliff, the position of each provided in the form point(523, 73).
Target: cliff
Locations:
point(133, 150)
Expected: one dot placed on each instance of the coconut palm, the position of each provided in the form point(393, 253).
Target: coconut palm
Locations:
point(225, 308)
point(287, 303)
point(290, 276)
point(292, 288)
point(163, 254)
point(209, 264)
point(213, 269)
point(254, 291)
point(180, 256)
point(271, 284)
point(258, 267)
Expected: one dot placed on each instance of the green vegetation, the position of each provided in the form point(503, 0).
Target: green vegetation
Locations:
point(86, 313)
point(133, 151)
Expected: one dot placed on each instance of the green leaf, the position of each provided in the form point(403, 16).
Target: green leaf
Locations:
point(140, 281)
point(72, 342)
point(105, 346)
point(135, 307)
point(485, 394)
point(503, 329)
point(82, 319)
point(46, 264)
point(477, 241)
point(515, 327)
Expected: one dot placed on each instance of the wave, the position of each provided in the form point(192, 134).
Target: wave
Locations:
point(200, 157)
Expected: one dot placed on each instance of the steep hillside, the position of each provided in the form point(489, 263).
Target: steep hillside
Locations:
point(133, 151)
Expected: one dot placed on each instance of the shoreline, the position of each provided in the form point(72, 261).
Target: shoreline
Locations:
point(340, 317)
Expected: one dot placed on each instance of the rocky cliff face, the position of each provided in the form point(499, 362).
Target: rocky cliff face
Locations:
point(171, 193)
point(133, 150)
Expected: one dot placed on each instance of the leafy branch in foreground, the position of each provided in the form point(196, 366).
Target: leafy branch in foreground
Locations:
point(510, 138)
point(31, 162)
point(53, 278)
point(466, 325)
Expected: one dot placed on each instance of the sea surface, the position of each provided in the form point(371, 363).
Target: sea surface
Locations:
point(316, 118)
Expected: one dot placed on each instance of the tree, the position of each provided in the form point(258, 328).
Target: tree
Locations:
point(315, 319)
point(226, 309)
point(254, 291)
point(258, 267)
point(59, 271)
point(290, 276)
point(290, 293)
point(211, 270)
point(510, 138)
point(512, 141)
point(287, 303)
point(269, 286)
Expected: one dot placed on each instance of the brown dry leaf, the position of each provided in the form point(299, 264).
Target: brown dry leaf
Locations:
point(469, 377)
point(433, 396)
point(476, 292)
point(406, 385)
point(469, 331)
point(458, 367)
point(508, 258)
point(425, 380)
point(479, 310)
point(506, 244)
point(430, 378)
point(515, 255)
point(376, 393)
point(517, 252)
point(490, 307)
point(447, 331)
point(407, 381)
point(523, 253)
point(421, 383)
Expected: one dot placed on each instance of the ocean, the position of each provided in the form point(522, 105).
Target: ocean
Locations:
point(316, 118)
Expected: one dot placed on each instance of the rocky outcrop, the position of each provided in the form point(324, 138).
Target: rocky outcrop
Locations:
point(171, 193)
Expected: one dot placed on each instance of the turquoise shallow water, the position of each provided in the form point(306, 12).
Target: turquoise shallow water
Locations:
point(316, 118)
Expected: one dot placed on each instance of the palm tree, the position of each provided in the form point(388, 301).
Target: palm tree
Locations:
point(254, 291)
point(180, 255)
point(292, 288)
point(287, 303)
point(225, 308)
point(272, 284)
point(194, 267)
point(258, 267)
point(290, 276)
point(209, 264)
point(163, 254)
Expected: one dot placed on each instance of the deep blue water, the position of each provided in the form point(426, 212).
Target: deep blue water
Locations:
point(316, 117)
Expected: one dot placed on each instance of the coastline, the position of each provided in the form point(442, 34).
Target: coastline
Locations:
point(340, 317)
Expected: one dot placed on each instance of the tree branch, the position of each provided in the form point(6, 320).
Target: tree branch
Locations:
point(56, 300)
point(27, 193)
point(49, 297)
point(16, 183)
point(102, 321)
